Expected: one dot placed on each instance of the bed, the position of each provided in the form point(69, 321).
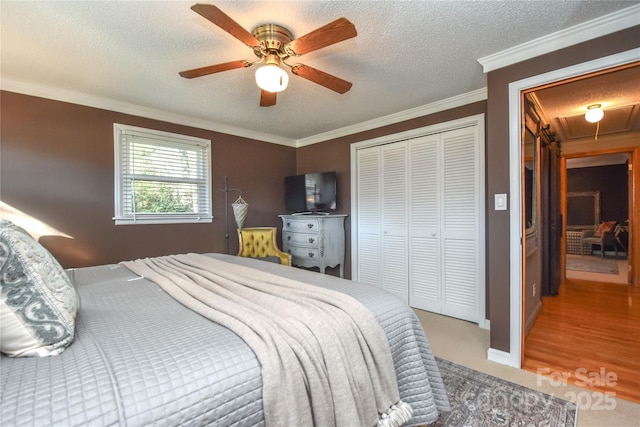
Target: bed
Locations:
point(139, 357)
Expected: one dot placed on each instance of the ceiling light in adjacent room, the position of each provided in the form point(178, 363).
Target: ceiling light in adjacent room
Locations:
point(594, 113)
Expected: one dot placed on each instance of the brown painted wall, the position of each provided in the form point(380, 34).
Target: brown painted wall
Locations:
point(57, 166)
point(335, 155)
point(612, 181)
point(498, 159)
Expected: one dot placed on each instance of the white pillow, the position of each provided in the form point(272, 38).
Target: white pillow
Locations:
point(38, 302)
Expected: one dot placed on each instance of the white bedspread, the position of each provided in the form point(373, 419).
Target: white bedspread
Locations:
point(294, 330)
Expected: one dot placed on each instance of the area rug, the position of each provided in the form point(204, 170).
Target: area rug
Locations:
point(479, 399)
point(592, 264)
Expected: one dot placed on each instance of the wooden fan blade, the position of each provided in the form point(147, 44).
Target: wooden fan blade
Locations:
point(334, 32)
point(203, 71)
point(327, 80)
point(223, 21)
point(267, 99)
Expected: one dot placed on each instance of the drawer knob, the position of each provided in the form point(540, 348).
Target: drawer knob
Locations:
point(310, 225)
point(310, 254)
point(288, 237)
point(288, 224)
point(311, 240)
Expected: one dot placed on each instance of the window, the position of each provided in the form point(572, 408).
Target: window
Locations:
point(161, 177)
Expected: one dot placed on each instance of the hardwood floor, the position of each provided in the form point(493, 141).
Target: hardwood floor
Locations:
point(589, 334)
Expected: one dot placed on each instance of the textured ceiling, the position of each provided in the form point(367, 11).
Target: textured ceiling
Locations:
point(618, 93)
point(407, 54)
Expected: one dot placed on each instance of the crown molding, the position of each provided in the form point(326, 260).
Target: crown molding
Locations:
point(73, 97)
point(434, 107)
point(620, 20)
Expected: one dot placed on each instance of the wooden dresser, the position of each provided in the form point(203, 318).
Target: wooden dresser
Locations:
point(314, 240)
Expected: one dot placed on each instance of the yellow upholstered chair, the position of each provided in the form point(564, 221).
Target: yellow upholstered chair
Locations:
point(260, 242)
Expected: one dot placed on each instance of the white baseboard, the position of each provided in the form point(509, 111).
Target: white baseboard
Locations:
point(499, 356)
point(484, 324)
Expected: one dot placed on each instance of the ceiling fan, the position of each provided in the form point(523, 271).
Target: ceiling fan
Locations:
point(273, 45)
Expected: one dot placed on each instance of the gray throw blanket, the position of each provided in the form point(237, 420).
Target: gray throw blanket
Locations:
point(325, 360)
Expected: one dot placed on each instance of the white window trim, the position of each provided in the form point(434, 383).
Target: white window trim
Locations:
point(167, 218)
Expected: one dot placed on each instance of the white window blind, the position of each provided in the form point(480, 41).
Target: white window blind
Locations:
point(161, 177)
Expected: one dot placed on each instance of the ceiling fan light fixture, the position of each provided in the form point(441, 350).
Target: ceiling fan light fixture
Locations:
point(594, 113)
point(271, 77)
point(273, 45)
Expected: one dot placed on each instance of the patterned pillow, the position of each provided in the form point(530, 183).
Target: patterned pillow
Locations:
point(38, 302)
point(604, 227)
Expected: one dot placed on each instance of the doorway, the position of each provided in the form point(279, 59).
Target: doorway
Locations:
point(515, 91)
point(598, 202)
point(578, 329)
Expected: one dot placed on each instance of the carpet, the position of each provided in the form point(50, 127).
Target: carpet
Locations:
point(479, 399)
point(592, 264)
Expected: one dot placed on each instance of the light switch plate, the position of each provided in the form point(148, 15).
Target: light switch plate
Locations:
point(501, 202)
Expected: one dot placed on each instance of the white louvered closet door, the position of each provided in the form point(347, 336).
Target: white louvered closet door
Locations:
point(368, 190)
point(382, 218)
point(425, 223)
point(445, 221)
point(460, 223)
point(395, 220)
point(419, 209)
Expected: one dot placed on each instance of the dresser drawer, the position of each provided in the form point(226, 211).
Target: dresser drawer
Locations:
point(301, 239)
point(304, 253)
point(303, 225)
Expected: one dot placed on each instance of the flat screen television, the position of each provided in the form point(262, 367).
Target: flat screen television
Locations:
point(311, 192)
